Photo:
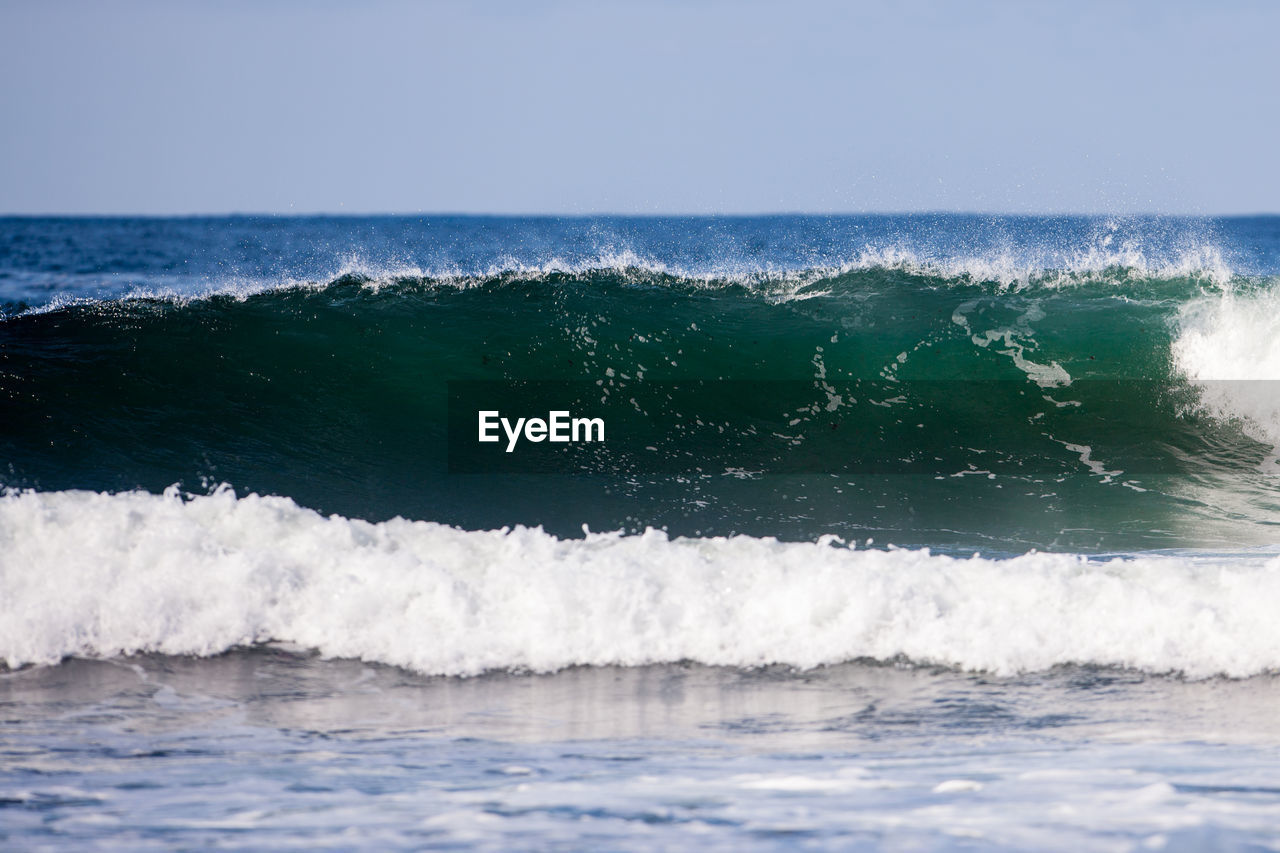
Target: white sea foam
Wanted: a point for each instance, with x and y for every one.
(1228, 344)
(84, 573)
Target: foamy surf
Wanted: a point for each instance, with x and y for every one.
(91, 574)
(1228, 345)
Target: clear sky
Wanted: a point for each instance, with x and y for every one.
(167, 106)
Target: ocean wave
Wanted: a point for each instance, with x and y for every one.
(338, 396)
(94, 574)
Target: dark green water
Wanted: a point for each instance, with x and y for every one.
(885, 401)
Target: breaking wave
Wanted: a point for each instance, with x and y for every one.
(100, 575)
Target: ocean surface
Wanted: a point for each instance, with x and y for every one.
(905, 532)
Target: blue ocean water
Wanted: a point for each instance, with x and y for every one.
(932, 531)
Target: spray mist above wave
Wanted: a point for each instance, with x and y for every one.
(1011, 268)
(215, 572)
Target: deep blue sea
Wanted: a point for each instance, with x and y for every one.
(911, 532)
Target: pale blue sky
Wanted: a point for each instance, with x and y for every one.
(143, 106)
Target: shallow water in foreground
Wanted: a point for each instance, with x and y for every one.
(275, 747)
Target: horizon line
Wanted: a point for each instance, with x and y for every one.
(344, 214)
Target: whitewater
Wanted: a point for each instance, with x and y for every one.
(106, 575)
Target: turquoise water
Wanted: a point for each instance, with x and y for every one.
(858, 377)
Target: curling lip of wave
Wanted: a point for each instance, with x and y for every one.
(99, 574)
(1005, 270)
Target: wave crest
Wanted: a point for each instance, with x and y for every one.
(1013, 270)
